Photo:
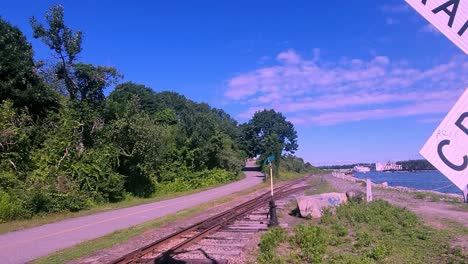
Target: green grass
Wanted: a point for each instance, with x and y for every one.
(375, 232)
(291, 175)
(121, 236)
(269, 243)
(129, 201)
(319, 185)
(435, 197)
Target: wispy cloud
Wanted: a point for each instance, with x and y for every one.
(429, 28)
(430, 120)
(391, 21)
(397, 8)
(317, 92)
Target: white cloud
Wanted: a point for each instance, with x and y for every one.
(289, 56)
(316, 92)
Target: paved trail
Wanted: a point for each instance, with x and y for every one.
(25, 245)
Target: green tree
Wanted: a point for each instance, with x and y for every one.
(142, 145)
(66, 44)
(92, 80)
(18, 79)
(15, 142)
(268, 132)
(124, 92)
(83, 82)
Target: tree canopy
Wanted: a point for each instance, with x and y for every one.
(268, 132)
(19, 81)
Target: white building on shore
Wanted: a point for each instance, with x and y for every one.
(387, 166)
(359, 168)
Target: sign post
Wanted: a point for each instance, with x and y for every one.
(269, 160)
(272, 212)
(447, 148)
(271, 179)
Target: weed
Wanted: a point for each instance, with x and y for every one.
(268, 243)
(378, 252)
(312, 240)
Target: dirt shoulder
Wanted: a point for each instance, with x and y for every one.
(435, 213)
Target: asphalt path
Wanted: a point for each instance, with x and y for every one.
(28, 244)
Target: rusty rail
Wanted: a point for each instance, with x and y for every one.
(205, 227)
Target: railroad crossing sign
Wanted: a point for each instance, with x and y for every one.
(448, 16)
(447, 148)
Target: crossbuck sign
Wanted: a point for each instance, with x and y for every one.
(448, 16)
(447, 148)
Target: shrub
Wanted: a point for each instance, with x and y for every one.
(379, 252)
(39, 201)
(11, 208)
(312, 240)
(268, 243)
(363, 239)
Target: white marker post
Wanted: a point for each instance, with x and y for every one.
(447, 148)
(368, 190)
(465, 194)
(449, 16)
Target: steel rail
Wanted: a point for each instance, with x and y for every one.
(206, 226)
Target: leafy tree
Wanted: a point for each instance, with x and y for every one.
(18, 79)
(14, 140)
(92, 80)
(292, 163)
(142, 145)
(66, 44)
(83, 82)
(124, 92)
(268, 132)
(60, 166)
(166, 117)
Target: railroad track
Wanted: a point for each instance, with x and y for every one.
(163, 250)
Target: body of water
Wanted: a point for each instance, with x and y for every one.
(421, 180)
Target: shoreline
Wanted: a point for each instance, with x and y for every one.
(385, 185)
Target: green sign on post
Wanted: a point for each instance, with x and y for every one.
(269, 159)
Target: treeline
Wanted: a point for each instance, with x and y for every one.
(295, 164)
(408, 165)
(415, 165)
(347, 166)
(65, 146)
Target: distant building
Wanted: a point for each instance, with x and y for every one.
(388, 166)
(359, 168)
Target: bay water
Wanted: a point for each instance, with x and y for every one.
(421, 180)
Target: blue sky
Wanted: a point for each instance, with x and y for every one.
(361, 82)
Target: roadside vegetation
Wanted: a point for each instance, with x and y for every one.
(65, 146)
(376, 232)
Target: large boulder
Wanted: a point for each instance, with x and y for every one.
(311, 206)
